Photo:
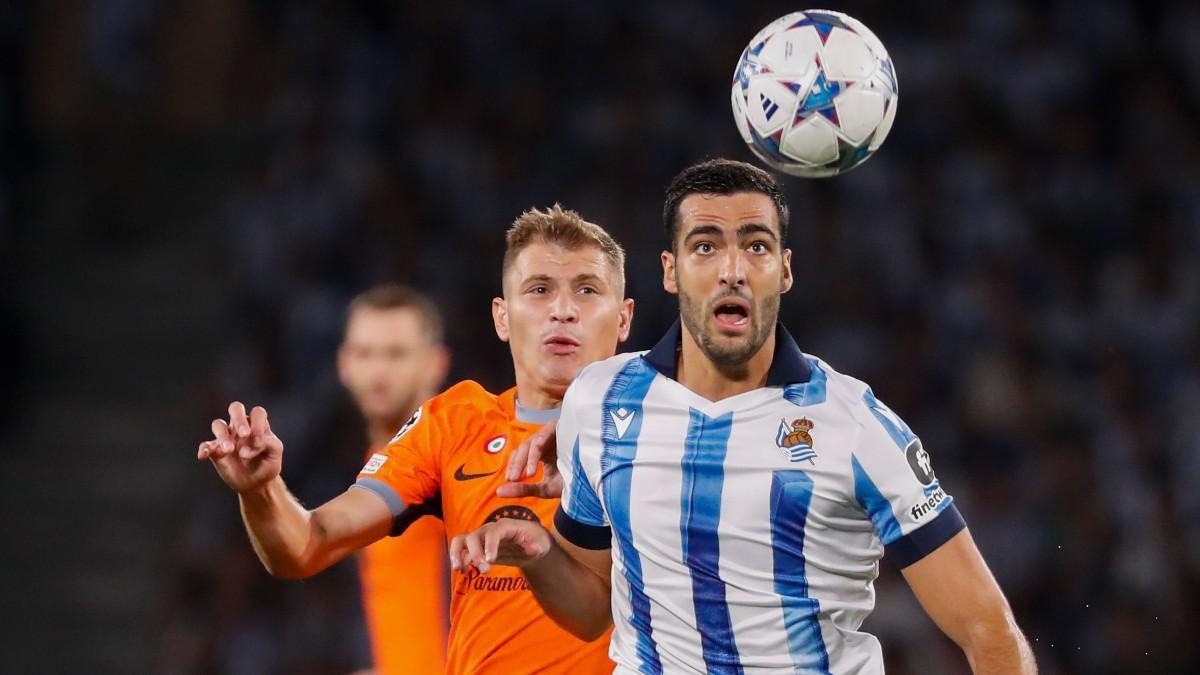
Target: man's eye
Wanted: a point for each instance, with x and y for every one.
(704, 247)
(758, 247)
(541, 290)
(588, 290)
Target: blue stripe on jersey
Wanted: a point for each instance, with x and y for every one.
(626, 393)
(585, 505)
(879, 508)
(700, 515)
(791, 492)
(895, 426)
(811, 392)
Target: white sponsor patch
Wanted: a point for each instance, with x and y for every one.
(373, 465)
(923, 509)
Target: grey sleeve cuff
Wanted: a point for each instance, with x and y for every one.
(394, 503)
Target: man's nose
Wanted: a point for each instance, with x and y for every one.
(564, 308)
(733, 267)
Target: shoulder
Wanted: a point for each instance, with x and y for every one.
(840, 390)
(882, 427)
(456, 406)
(593, 381)
(467, 393)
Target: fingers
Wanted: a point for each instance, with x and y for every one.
(536, 442)
(222, 438)
(250, 432)
(532, 451)
(543, 449)
(491, 543)
(260, 433)
(245, 435)
(517, 461)
(515, 490)
(238, 423)
(455, 553)
(473, 542)
(521, 490)
(258, 422)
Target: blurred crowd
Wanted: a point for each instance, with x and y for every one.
(1017, 273)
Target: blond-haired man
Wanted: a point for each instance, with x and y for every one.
(563, 307)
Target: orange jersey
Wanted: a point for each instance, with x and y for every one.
(449, 459)
(406, 599)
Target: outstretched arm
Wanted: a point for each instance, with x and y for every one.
(572, 584)
(294, 543)
(958, 592)
(291, 541)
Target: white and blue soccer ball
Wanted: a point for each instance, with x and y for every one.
(814, 93)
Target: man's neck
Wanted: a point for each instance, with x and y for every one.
(537, 398)
(698, 373)
(379, 432)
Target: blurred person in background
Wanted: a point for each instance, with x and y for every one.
(563, 307)
(391, 359)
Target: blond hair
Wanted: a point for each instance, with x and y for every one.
(565, 228)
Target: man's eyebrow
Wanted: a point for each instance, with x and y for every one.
(748, 228)
(546, 278)
(702, 229)
(757, 228)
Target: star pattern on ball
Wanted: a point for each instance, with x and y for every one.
(820, 96)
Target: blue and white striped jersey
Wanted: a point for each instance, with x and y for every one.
(747, 532)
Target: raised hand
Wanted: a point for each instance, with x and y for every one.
(244, 450)
(504, 542)
(542, 448)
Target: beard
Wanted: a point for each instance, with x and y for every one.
(728, 353)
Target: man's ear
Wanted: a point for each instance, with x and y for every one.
(500, 318)
(668, 264)
(626, 320)
(787, 270)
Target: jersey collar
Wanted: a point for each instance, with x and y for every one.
(512, 407)
(788, 366)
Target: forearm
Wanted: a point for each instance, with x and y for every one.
(999, 648)
(280, 530)
(574, 596)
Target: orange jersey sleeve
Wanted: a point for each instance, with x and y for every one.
(449, 458)
(407, 474)
(406, 599)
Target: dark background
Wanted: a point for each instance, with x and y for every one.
(191, 191)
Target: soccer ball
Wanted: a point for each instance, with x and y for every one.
(814, 93)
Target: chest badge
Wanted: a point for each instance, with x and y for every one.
(796, 441)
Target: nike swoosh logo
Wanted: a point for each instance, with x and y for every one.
(459, 475)
(622, 418)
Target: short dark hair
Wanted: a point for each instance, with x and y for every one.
(720, 177)
(399, 296)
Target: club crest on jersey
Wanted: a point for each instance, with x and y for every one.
(795, 440)
(412, 422)
(496, 444)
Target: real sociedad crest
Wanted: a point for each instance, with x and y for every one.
(795, 440)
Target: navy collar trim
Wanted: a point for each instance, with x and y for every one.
(787, 367)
